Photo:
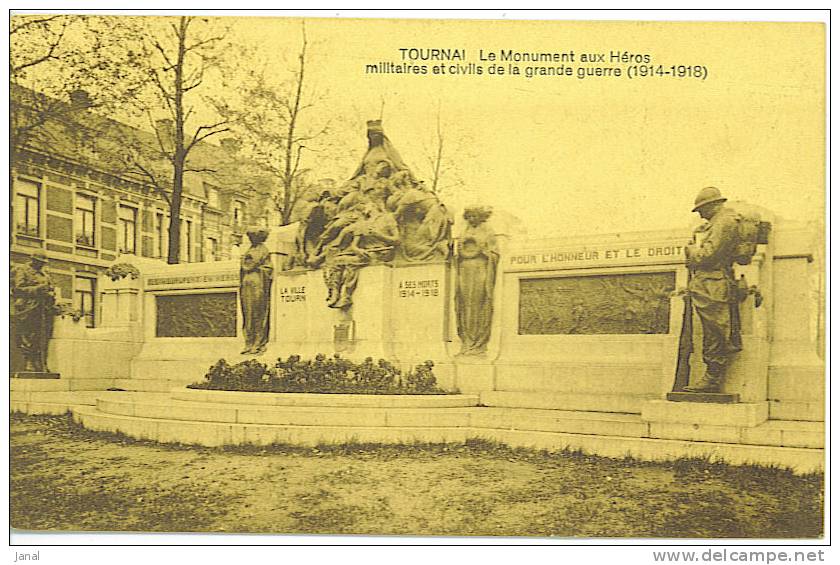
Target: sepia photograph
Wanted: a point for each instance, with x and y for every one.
(431, 277)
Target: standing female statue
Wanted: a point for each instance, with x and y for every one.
(476, 261)
(255, 276)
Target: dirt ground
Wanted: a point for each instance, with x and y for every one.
(67, 478)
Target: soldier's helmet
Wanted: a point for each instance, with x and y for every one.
(707, 196)
(39, 256)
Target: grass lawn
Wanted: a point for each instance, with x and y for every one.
(66, 478)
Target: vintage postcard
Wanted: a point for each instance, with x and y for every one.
(475, 278)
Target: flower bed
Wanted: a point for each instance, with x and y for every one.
(322, 375)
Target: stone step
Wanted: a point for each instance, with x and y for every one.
(59, 385)
(786, 434)
(289, 415)
(183, 371)
(578, 422)
(147, 385)
(802, 460)
(580, 378)
(35, 402)
(505, 418)
(220, 433)
(328, 400)
(91, 384)
(42, 385)
(42, 408)
(811, 411)
(59, 397)
(624, 403)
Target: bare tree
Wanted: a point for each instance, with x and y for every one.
(180, 56)
(273, 121)
(446, 147)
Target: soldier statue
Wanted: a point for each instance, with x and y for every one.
(33, 309)
(712, 286)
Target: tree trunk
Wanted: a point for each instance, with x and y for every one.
(180, 154)
(174, 252)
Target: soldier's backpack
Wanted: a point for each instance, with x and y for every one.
(751, 232)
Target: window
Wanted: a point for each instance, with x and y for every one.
(128, 229)
(212, 249)
(84, 299)
(85, 214)
(28, 208)
(159, 234)
(238, 214)
(212, 195)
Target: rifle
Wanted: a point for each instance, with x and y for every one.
(686, 344)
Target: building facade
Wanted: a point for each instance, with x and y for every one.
(87, 217)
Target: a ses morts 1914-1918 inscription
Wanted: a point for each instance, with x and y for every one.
(632, 303)
(197, 315)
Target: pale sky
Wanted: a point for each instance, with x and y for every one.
(569, 155)
(566, 155)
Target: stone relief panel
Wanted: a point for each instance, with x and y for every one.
(197, 315)
(630, 303)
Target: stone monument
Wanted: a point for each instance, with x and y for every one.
(33, 309)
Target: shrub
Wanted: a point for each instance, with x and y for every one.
(248, 375)
(320, 375)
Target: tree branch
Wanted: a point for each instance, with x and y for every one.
(32, 22)
(156, 186)
(198, 44)
(50, 54)
(199, 170)
(208, 130)
(159, 47)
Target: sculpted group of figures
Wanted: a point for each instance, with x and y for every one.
(381, 214)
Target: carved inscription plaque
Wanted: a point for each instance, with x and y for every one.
(197, 315)
(632, 303)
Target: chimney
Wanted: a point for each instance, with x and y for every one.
(80, 99)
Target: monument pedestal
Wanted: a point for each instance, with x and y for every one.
(35, 375)
(704, 397)
(744, 414)
(703, 421)
(474, 374)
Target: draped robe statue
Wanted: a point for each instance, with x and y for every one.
(255, 276)
(476, 262)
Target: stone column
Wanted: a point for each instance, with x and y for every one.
(121, 306)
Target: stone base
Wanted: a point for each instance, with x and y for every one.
(35, 375)
(736, 415)
(473, 376)
(705, 397)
